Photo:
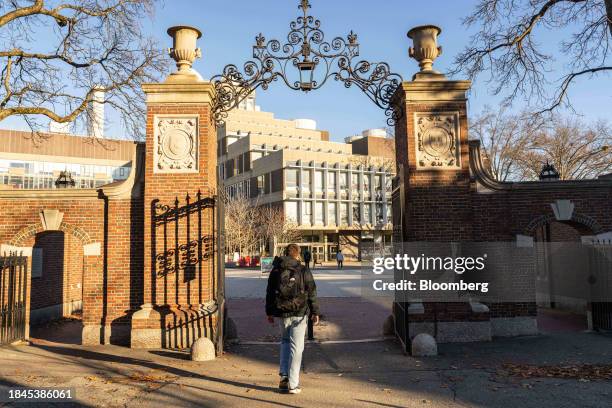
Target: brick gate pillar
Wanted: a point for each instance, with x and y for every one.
(433, 153)
(432, 146)
(180, 174)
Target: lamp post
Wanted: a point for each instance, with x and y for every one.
(64, 180)
(549, 173)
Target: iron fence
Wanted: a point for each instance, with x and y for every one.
(13, 283)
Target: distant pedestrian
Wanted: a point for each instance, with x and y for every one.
(340, 259)
(291, 295)
(307, 258)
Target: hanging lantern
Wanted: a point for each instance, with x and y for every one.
(549, 173)
(64, 180)
(306, 69)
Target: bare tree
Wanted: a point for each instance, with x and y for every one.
(509, 45)
(241, 226)
(505, 139)
(516, 146)
(275, 228)
(577, 150)
(55, 56)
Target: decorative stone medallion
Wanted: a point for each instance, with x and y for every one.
(437, 140)
(176, 144)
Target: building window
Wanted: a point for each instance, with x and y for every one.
(292, 176)
(307, 212)
(260, 184)
(379, 214)
(378, 182)
(331, 214)
(319, 181)
(355, 182)
(356, 214)
(366, 183)
(331, 182)
(367, 215)
(319, 213)
(305, 182)
(344, 181)
(344, 213)
(291, 211)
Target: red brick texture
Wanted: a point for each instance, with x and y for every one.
(110, 285)
(178, 261)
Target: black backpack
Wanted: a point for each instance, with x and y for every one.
(291, 291)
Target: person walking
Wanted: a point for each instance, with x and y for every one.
(291, 296)
(340, 259)
(307, 258)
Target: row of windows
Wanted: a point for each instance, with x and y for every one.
(42, 175)
(337, 213)
(51, 168)
(315, 180)
(46, 182)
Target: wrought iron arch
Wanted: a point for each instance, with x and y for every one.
(316, 61)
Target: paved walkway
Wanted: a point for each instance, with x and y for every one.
(346, 315)
(355, 375)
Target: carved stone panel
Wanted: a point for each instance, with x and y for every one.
(176, 144)
(437, 140)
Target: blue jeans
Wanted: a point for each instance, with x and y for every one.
(293, 331)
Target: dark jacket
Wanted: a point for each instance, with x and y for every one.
(312, 304)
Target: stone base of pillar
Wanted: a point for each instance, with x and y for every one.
(96, 334)
(146, 328)
(91, 335)
(173, 326)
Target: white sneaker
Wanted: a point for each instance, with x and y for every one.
(296, 390)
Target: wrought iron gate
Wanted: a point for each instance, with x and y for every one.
(600, 265)
(13, 283)
(400, 308)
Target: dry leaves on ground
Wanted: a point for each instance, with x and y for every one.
(573, 371)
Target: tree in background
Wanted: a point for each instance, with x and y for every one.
(250, 227)
(240, 227)
(509, 46)
(516, 146)
(55, 56)
(577, 150)
(275, 228)
(505, 139)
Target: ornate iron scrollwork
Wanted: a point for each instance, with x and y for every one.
(315, 61)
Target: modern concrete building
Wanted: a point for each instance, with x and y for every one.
(338, 194)
(91, 162)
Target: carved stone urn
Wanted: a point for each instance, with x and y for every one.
(425, 46)
(184, 49)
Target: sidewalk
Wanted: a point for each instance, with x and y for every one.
(373, 374)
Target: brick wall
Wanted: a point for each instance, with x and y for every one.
(110, 285)
(450, 205)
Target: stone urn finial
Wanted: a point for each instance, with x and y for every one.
(425, 46)
(184, 48)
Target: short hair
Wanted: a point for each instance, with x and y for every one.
(293, 250)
